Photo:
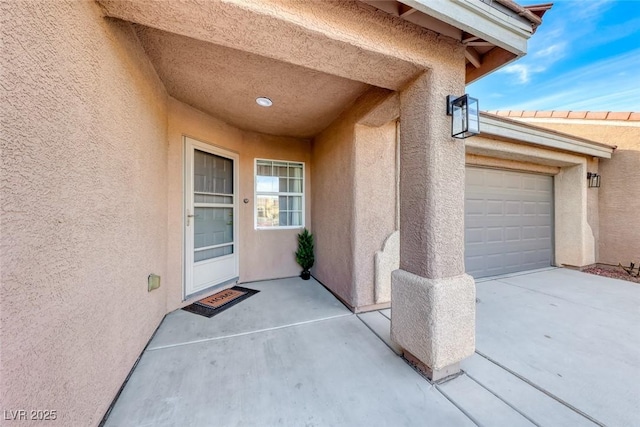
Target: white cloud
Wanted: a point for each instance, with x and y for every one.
(556, 51)
(613, 33)
(523, 72)
(611, 84)
(619, 100)
(549, 77)
(587, 10)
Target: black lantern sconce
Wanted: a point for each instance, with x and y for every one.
(594, 180)
(465, 116)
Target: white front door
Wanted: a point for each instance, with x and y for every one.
(211, 208)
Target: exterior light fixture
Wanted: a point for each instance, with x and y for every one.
(465, 116)
(594, 180)
(264, 102)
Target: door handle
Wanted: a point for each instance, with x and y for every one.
(189, 216)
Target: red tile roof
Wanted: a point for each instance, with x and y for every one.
(557, 114)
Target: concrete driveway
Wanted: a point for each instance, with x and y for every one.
(574, 336)
(554, 348)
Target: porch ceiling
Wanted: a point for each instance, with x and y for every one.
(319, 36)
(225, 83)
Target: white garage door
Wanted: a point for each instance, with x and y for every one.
(508, 221)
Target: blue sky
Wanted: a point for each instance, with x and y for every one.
(585, 56)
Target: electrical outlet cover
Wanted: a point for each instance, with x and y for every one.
(154, 282)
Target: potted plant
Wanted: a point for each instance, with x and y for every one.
(304, 254)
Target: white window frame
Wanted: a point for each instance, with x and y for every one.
(256, 193)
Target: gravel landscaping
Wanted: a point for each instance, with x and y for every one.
(613, 272)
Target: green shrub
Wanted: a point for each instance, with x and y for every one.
(304, 254)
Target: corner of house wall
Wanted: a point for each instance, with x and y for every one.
(341, 267)
(575, 242)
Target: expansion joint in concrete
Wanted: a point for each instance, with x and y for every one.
(248, 332)
(542, 390)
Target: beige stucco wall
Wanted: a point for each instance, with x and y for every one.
(354, 193)
(375, 202)
(618, 208)
(333, 199)
(83, 214)
(593, 206)
(264, 254)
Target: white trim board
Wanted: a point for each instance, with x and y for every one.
(522, 132)
(479, 19)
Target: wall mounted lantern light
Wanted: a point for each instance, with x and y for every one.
(465, 116)
(594, 179)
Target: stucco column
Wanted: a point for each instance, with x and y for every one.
(574, 240)
(433, 300)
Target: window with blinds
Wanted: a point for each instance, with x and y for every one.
(279, 194)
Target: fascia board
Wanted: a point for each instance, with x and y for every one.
(479, 19)
(520, 132)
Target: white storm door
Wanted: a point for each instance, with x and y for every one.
(211, 208)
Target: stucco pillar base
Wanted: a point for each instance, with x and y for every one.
(434, 319)
(434, 375)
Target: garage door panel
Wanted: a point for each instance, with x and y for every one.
(494, 207)
(474, 207)
(474, 264)
(508, 221)
(522, 221)
(474, 235)
(512, 207)
(499, 247)
(495, 235)
(544, 208)
(530, 232)
(544, 232)
(529, 183)
(513, 234)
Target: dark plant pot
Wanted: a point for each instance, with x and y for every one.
(306, 275)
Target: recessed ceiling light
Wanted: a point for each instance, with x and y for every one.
(264, 102)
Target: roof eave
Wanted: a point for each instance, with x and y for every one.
(475, 17)
(501, 127)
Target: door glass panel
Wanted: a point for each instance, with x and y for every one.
(212, 174)
(213, 226)
(213, 253)
(212, 198)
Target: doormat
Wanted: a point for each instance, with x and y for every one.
(217, 303)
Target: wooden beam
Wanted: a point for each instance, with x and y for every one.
(495, 58)
(404, 10)
(473, 56)
(479, 44)
(470, 39)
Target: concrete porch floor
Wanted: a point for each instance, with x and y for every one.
(555, 347)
